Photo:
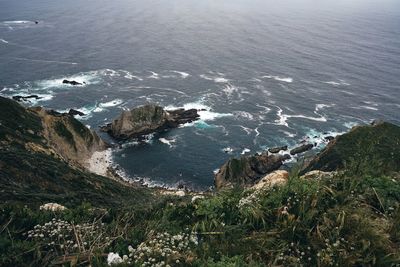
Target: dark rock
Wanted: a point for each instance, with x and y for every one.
(54, 113)
(147, 119)
(25, 98)
(277, 149)
(301, 149)
(74, 112)
(71, 82)
(375, 145)
(247, 170)
(329, 138)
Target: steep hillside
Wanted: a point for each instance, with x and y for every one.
(42, 156)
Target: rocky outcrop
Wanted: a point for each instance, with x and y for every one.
(67, 137)
(245, 171)
(301, 149)
(20, 98)
(364, 146)
(74, 112)
(71, 82)
(147, 119)
(279, 177)
(277, 149)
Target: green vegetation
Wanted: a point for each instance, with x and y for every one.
(378, 145)
(351, 219)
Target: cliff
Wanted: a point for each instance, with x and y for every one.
(43, 155)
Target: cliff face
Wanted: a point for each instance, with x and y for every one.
(68, 137)
(42, 156)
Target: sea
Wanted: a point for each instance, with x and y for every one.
(264, 73)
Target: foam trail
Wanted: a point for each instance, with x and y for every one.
(184, 75)
(280, 79)
(4, 41)
(154, 75)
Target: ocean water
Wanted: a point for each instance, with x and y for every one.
(267, 72)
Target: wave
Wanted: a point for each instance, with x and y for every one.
(11, 24)
(3, 41)
(169, 142)
(153, 75)
(184, 75)
(337, 83)
(245, 150)
(283, 118)
(111, 103)
(243, 115)
(216, 78)
(280, 79)
(365, 107)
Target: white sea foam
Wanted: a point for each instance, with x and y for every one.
(130, 76)
(243, 115)
(205, 112)
(280, 79)
(184, 75)
(216, 79)
(244, 151)
(169, 142)
(337, 83)
(17, 22)
(228, 150)
(3, 41)
(154, 75)
(365, 107)
(111, 103)
(282, 118)
(350, 124)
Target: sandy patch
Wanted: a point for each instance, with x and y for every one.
(100, 162)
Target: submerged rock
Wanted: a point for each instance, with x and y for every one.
(247, 170)
(277, 149)
(71, 82)
(147, 119)
(301, 149)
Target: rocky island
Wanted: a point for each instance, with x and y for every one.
(137, 122)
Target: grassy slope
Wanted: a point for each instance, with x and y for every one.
(377, 145)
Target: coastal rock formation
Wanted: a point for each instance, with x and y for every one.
(378, 143)
(147, 119)
(69, 138)
(74, 112)
(277, 149)
(278, 177)
(71, 82)
(25, 98)
(245, 171)
(301, 149)
(42, 159)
